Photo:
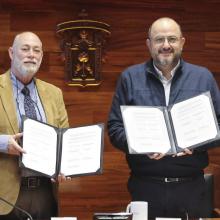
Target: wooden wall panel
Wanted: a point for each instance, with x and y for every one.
(108, 192)
(129, 22)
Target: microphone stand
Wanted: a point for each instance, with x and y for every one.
(18, 208)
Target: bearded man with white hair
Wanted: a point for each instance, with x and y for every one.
(26, 189)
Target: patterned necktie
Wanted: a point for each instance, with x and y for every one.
(29, 108)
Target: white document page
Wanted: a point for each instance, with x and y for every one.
(193, 121)
(81, 150)
(146, 129)
(39, 141)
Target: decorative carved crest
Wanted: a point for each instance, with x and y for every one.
(82, 42)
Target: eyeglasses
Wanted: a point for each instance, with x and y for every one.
(170, 39)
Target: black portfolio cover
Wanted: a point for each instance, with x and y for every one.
(71, 151)
(188, 124)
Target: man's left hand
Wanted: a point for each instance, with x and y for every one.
(186, 151)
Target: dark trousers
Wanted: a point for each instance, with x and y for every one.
(39, 202)
(173, 199)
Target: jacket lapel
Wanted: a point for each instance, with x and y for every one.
(7, 99)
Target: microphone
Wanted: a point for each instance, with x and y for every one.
(18, 208)
(185, 213)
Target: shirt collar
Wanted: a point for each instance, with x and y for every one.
(19, 85)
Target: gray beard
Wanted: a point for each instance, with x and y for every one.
(167, 62)
(28, 70)
(164, 62)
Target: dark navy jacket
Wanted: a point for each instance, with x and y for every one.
(140, 85)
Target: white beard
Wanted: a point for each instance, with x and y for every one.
(26, 69)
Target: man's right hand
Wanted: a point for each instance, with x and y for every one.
(13, 146)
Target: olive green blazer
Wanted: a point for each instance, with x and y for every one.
(53, 104)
